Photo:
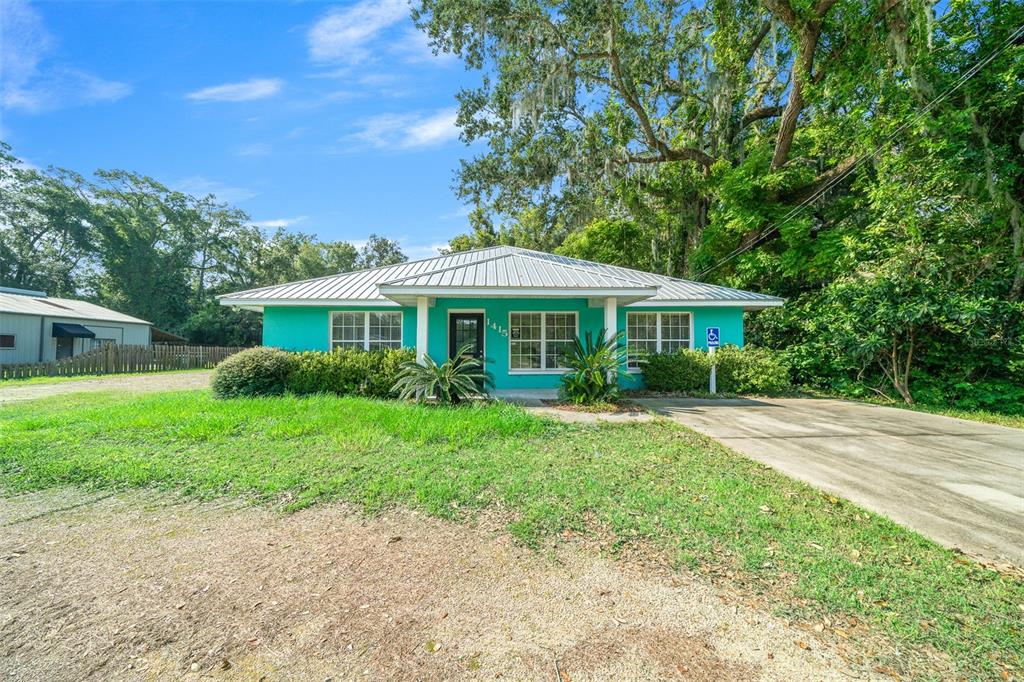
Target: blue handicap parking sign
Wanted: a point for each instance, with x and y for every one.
(713, 337)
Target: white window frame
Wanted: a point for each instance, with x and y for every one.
(14, 341)
(366, 327)
(543, 339)
(658, 336)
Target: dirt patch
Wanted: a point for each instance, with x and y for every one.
(131, 383)
(620, 407)
(144, 586)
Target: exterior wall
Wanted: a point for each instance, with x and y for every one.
(26, 338)
(27, 328)
(308, 328)
(728, 320)
(496, 339)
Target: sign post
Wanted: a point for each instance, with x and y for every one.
(712, 342)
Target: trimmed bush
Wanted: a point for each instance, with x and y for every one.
(253, 372)
(739, 370)
(348, 371)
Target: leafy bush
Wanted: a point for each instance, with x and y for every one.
(253, 372)
(738, 370)
(751, 370)
(591, 363)
(348, 371)
(450, 383)
(684, 371)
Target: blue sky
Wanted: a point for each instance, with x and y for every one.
(329, 118)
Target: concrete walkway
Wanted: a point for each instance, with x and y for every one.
(11, 391)
(958, 482)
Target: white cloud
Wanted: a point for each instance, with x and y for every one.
(198, 185)
(254, 150)
(344, 34)
(244, 91)
(408, 131)
(420, 251)
(27, 82)
(414, 47)
(279, 222)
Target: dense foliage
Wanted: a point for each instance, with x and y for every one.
(348, 372)
(129, 242)
(456, 380)
(253, 372)
(861, 159)
(750, 370)
(594, 366)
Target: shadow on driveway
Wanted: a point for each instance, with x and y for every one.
(958, 482)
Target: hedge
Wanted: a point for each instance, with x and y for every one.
(738, 370)
(271, 371)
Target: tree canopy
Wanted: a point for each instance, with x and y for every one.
(129, 242)
(857, 158)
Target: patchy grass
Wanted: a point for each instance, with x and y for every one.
(651, 485)
(34, 381)
(1011, 420)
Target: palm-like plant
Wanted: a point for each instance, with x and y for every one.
(594, 368)
(457, 379)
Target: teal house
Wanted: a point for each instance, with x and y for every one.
(518, 309)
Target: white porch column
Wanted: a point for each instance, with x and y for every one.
(421, 328)
(610, 317)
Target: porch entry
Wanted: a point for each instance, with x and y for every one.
(466, 328)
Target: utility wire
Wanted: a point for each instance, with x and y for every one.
(967, 75)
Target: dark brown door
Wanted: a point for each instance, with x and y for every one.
(65, 347)
(466, 328)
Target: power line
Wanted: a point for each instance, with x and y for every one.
(967, 75)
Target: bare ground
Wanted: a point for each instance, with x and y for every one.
(146, 586)
(129, 383)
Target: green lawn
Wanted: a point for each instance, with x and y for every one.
(654, 486)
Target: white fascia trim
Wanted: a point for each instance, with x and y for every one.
(243, 302)
(517, 292)
(747, 304)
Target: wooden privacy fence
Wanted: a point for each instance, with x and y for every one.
(114, 359)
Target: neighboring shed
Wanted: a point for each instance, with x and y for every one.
(35, 327)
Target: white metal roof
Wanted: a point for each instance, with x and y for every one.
(498, 270)
(51, 306)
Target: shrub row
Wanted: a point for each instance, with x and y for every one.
(738, 370)
(271, 371)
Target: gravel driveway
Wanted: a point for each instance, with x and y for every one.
(143, 586)
(958, 482)
(136, 383)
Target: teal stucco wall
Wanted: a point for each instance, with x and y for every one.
(308, 328)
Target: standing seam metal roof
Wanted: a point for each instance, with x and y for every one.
(496, 266)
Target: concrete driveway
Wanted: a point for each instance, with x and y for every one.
(958, 482)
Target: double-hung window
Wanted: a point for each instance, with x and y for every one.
(366, 330)
(655, 333)
(538, 342)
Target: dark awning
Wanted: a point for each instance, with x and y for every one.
(69, 329)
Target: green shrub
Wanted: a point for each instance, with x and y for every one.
(751, 370)
(738, 370)
(684, 371)
(348, 371)
(590, 364)
(253, 372)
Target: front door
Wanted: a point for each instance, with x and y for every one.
(466, 328)
(65, 347)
